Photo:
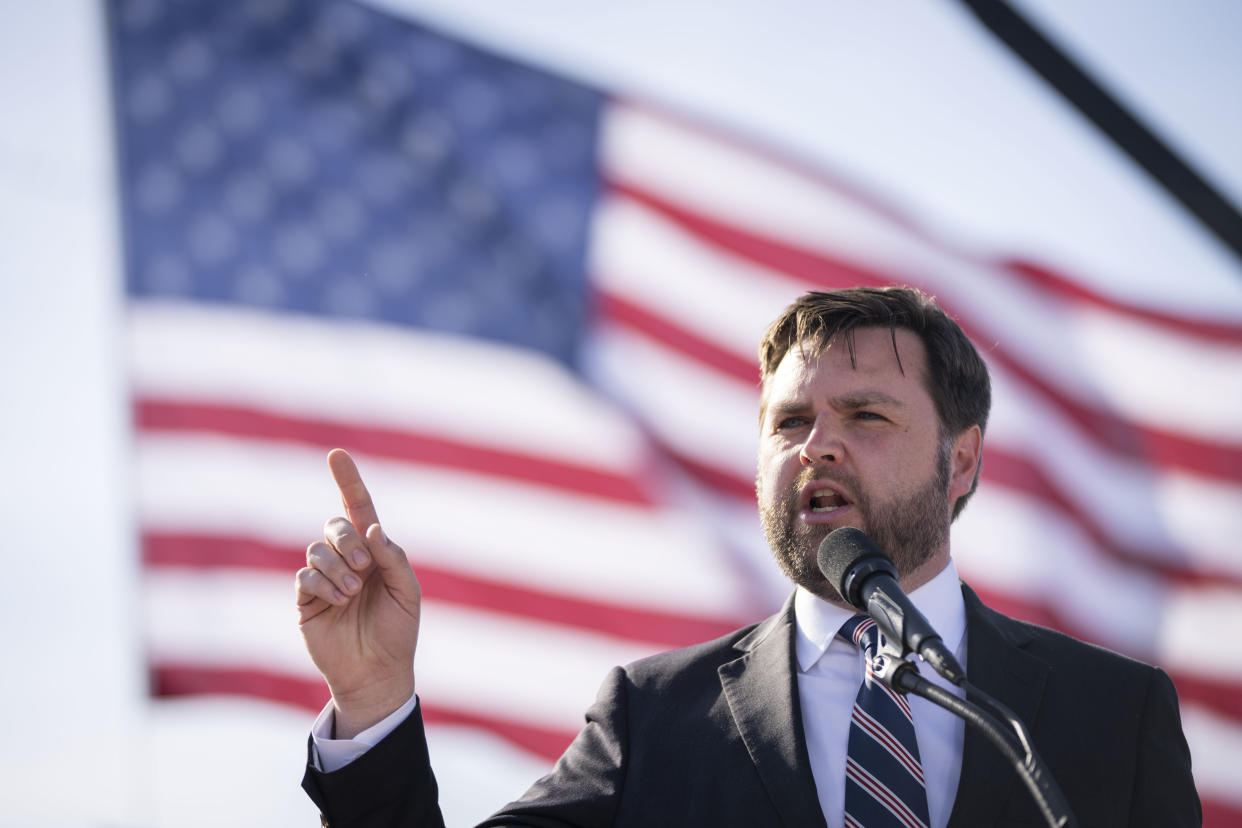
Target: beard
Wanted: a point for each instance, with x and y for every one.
(910, 529)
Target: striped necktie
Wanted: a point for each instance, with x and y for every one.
(883, 775)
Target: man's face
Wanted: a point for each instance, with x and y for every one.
(856, 445)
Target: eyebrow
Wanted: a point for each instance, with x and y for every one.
(866, 398)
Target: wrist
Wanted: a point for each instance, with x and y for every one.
(356, 710)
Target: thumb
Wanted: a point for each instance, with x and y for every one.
(392, 562)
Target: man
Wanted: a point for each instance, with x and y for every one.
(873, 410)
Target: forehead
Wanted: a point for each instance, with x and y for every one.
(881, 359)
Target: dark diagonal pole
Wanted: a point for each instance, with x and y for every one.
(1173, 173)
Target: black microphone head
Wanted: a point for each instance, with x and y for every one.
(846, 556)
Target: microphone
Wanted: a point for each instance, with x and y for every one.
(867, 580)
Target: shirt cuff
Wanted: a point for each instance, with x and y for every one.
(333, 754)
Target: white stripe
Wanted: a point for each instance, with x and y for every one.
(1197, 386)
(1199, 635)
(1176, 517)
(1215, 745)
(243, 619)
(642, 257)
(711, 418)
(472, 523)
(376, 375)
(1011, 543)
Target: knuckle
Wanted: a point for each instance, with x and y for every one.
(337, 527)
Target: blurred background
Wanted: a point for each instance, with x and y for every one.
(517, 258)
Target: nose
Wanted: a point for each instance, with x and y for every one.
(823, 444)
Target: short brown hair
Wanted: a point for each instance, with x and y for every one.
(957, 378)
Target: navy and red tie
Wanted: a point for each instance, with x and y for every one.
(883, 775)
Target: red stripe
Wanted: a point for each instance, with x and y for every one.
(1021, 474)
(1048, 281)
(422, 448)
(1220, 695)
(651, 626)
(897, 698)
(672, 335)
(865, 780)
(171, 679)
(1115, 433)
(888, 741)
(1217, 813)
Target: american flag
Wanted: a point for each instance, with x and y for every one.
(530, 310)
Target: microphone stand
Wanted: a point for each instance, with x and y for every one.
(891, 668)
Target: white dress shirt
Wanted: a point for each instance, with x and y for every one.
(830, 671)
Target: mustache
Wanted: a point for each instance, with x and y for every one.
(824, 474)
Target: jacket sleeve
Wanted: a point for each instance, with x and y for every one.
(1164, 790)
(392, 785)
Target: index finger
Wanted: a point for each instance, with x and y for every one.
(354, 495)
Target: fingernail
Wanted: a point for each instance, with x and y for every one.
(359, 557)
(352, 583)
(339, 596)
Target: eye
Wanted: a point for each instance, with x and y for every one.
(869, 415)
(795, 421)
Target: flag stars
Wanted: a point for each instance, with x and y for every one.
(257, 285)
(349, 295)
(211, 239)
(298, 249)
(472, 201)
(190, 60)
(136, 15)
(159, 189)
(167, 274)
(426, 139)
(198, 148)
(247, 197)
(339, 215)
(289, 161)
(359, 169)
(474, 104)
(148, 99)
(396, 267)
(239, 112)
(385, 177)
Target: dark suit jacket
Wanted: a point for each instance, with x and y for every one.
(711, 735)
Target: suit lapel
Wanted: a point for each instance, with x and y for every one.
(999, 666)
(763, 697)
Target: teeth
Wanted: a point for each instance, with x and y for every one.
(826, 500)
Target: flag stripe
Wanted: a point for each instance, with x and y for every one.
(1119, 435)
(1001, 465)
(667, 629)
(425, 449)
(187, 679)
(1046, 279)
(660, 329)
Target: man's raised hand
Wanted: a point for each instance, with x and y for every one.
(358, 607)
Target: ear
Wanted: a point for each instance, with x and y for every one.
(964, 462)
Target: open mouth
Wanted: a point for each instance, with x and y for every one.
(826, 500)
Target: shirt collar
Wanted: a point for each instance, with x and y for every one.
(818, 621)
